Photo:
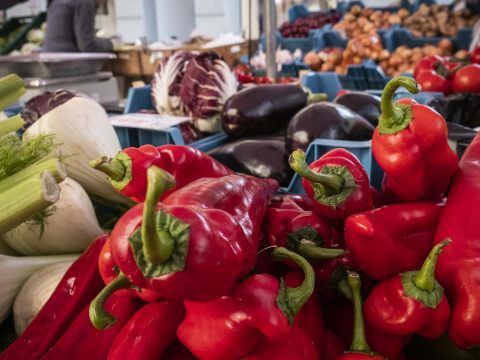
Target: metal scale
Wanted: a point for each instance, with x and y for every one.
(77, 72)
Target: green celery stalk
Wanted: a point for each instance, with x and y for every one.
(12, 87)
(22, 201)
(11, 124)
(52, 165)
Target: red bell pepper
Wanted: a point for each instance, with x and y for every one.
(359, 349)
(109, 272)
(127, 171)
(467, 79)
(149, 332)
(410, 303)
(310, 317)
(428, 63)
(195, 245)
(458, 268)
(430, 80)
(433, 73)
(82, 341)
(410, 144)
(260, 308)
(339, 316)
(78, 287)
(288, 224)
(392, 239)
(475, 56)
(333, 346)
(296, 344)
(177, 351)
(336, 182)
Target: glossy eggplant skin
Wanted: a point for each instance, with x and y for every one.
(263, 157)
(326, 121)
(364, 104)
(262, 109)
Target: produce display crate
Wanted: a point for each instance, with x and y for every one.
(292, 44)
(24, 24)
(361, 149)
(344, 6)
(359, 77)
(331, 83)
(396, 37)
(140, 99)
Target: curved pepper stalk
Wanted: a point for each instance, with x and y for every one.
(421, 284)
(118, 169)
(306, 242)
(99, 317)
(291, 300)
(331, 187)
(158, 245)
(396, 117)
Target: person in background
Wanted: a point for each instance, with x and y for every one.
(71, 27)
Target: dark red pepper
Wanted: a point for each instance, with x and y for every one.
(82, 341)
(78, 287)
(109, 272)
(410, 144)
(195, 245)
(310, 317)
(127, 171)
(467, 79)
(359, 349)
(392, 239)
(260, 308)
(177, 351)
(288, 224)
(458, 268)
(336, 182)
(410, 303)
(296, 344)
(149, 332)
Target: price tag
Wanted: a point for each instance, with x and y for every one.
(147, 121)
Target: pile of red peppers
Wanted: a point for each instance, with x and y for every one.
(215, 265)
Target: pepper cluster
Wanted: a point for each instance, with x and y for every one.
(214, 265)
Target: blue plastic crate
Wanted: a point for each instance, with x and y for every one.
(396, 37)
(344, 6)
(298, 11)
(328, 37)
(359, 77)
(361, 149)
(292, 44)
(422, 97)
(140, 99)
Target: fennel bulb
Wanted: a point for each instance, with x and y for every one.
(70, 228)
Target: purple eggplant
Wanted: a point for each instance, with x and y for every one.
(362, 103)
(263, 157)
(326, 121)
(264, 109)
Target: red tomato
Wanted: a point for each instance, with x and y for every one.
(430, 80)
(475, 56)
(467, 79)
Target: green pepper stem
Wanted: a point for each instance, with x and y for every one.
(99, 317)
(113, 168)
(393, 118)
(424, 279)
(157, 245)
(316, 252)
(11, 124)
(297, 161)
(291, 300)
(359, 341)
(12, 88)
